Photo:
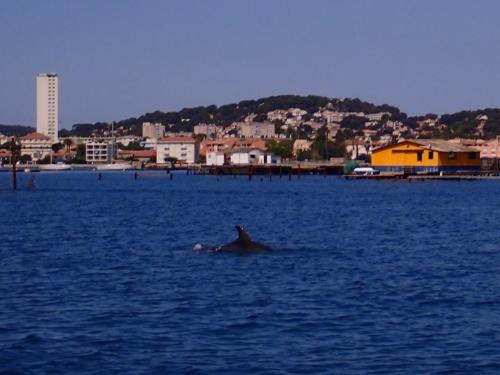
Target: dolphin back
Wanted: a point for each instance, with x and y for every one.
(243, 244)
(242, 235)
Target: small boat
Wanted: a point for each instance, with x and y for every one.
(365, 171)
(114, 167)
(54, 167)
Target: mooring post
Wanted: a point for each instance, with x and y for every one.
(171, 176)
(14, 150)
(135, 175)
(31, 182)
(99, 176)
(14, 175)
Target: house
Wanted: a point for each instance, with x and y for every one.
(241, 156)
(3, 139)
(36, 145)
(128, 139)
(256, 129)
(425, 155)
(228, 144)
(5, 156)
(377, 116)
(221, 144)
(301, 145)
(215, 158)
(185, 149)
(269, 159)
(144, 156)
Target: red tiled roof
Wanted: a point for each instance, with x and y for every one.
(244, 150)
(35, 136)
(139, 153)
(177, 140)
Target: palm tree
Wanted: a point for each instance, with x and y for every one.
(68, 142)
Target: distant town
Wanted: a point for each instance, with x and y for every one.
(267, 131)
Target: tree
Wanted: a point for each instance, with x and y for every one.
(283, 148)
(57, 146)
(25, 158)
(68, 143)
(261, 117)
(353, 122)
(80, 154)
(303, 155)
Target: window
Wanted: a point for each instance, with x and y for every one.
(419, 155)
(452, 156)
(472, 155)
(431, 155)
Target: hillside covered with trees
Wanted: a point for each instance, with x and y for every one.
(187, 118)
(459, 124)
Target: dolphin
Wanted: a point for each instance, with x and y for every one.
(242, 245)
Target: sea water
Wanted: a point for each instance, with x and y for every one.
(366, 277)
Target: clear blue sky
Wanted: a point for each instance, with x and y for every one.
(123, 58)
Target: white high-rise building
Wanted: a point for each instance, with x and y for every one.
(47, 105)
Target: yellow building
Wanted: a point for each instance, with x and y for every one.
(425, 155)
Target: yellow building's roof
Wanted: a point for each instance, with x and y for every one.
(433, 144)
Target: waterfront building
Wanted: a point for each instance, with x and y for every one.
(425, 155)
(242, 156)
(185, 149)
(100, 151)
(215, 158)
(36, 145)
(269, 159)
(228, 144)
(221, 144)
(47, 105)
(153, 130)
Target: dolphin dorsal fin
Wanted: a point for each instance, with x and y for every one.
(242, 235)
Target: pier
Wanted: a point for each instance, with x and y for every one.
(483, 175)
(268, 170)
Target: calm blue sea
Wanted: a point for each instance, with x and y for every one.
(367, 277)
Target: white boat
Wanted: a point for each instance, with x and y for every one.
(54, 167)
(365, 171)
(114, 167)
